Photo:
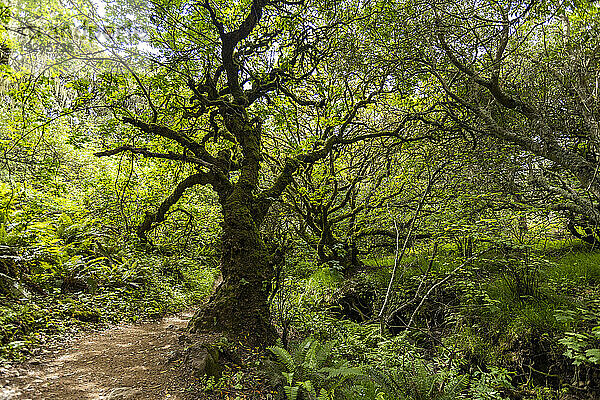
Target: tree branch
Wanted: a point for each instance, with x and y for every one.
(149, 154)
(230, 40)
(491, 84)
(151, 220)
(162, 131)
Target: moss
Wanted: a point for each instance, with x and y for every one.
(86, 315)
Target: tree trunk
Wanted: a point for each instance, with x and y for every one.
(239, 307)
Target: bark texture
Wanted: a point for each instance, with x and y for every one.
(239, 307)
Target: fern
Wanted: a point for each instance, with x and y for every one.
(417, 383)
(284, 358)
(389, 383)
(325, 352)
(324, 395)
(342, 371)
(309, 370)
(289, 377)
(310, 389)
(291, 392)
(301, 353)
(310, 359)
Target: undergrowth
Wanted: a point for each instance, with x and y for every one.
(62, 271)
(519, 322)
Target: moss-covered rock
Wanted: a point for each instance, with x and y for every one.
(86, 314)
(203, 360)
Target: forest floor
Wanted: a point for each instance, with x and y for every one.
(135, 361)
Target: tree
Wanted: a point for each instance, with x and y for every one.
(525, 73)
(336, 199)
(236, 87)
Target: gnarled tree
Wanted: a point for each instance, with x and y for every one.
(250, 84)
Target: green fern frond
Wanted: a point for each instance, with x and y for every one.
(310, 359)
(324, 395)
(325, 352)
(310, 389)
(342, 371)
(389, 383)
(289, 377)
(462, 382)
(291, 392)
(284, 357)
(303, 349)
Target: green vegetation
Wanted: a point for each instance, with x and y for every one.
(364, 199)
(484, 333)
(67, 262)
(61, 274)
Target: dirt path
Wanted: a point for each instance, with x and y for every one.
(125, 362)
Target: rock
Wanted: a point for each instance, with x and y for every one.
(122, 393)
(203, 360)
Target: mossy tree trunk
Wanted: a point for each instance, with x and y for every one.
(240, 305)
(240, 302)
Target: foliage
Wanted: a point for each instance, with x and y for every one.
(63, 267)
(312, 146)
(311, 372)
(582, 347)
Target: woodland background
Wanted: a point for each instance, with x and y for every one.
(404, 193)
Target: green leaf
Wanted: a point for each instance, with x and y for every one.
(593, 355)
(291, 392)
(283, 357)
(289, 376)
(324, 395)
(310, 389)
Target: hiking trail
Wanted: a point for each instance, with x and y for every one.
(133, 361)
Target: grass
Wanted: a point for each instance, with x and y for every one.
(575, 268)
(495, 303)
